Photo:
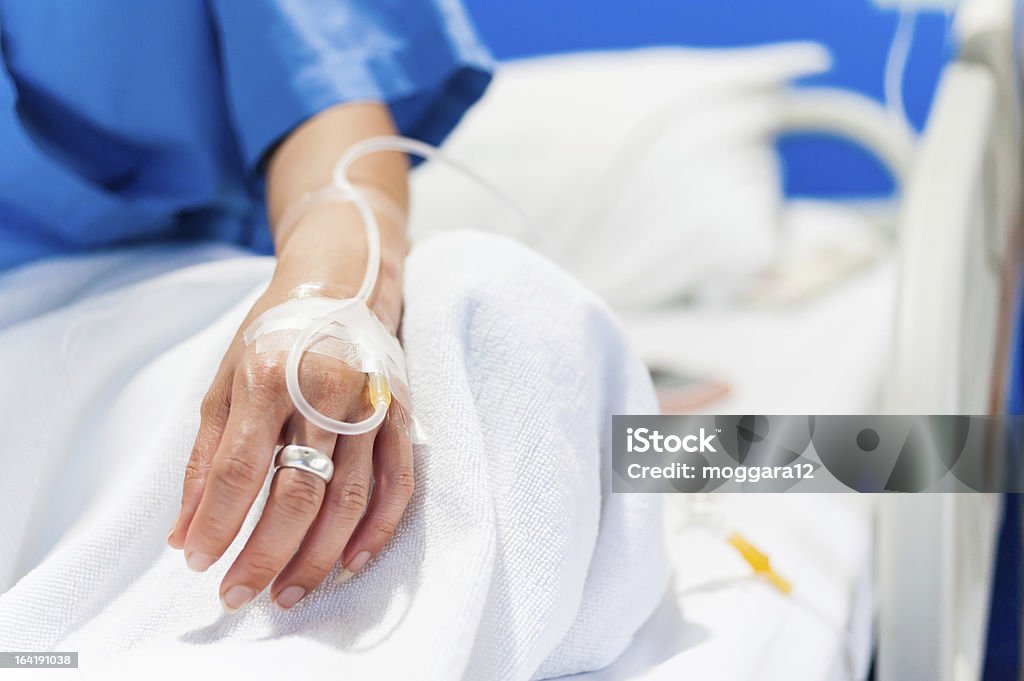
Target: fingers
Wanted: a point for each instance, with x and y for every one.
(213, 417)
(342, 527)
(258, 411)
(392, 490)
(295, 498)
(306, 525)
(343, 506)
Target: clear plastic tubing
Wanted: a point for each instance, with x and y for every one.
(379, 387)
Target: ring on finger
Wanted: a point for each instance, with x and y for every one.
(305, 459)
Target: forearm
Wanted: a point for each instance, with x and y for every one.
(327, 244)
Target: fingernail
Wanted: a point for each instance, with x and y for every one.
(199, 562)
(235, 598)
(173, 528)
(289, 597)
(354, 566)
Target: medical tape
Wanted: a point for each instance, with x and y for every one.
(344, 329)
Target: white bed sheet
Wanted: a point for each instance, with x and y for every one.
(720, 623)
(502, 568)
(823, 355)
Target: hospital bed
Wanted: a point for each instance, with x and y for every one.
(716, 621)
(923, 285)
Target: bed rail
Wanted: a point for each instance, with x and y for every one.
(959, 247)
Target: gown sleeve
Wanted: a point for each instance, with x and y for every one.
(284, 61)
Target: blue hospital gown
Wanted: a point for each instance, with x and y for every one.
(128, 121)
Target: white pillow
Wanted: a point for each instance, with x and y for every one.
(652, 169)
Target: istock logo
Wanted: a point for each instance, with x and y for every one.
(643, 440)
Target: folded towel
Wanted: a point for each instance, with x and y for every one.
(514, 560)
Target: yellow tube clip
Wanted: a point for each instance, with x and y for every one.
(759, 562)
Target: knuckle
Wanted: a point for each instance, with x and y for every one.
(213, 403)
(213, 529)
(300, 496)
(334, 389)
(350, 500)
(317, 566)
(385, 528)
(239, 474)
(401, 480)
(264, 374)
(330, 390)
(261, 565)
(194, 470)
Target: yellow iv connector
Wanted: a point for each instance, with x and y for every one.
(380, 389)
(759, 562)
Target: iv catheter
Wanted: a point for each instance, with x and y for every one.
(354, 311)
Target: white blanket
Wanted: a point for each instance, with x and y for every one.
(513, 562)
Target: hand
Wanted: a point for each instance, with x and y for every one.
(306, 526)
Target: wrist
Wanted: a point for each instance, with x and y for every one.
(326, 247)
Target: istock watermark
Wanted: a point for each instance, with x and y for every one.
(644, 440)
(817, 454)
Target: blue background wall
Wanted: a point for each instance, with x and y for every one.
(855, 30)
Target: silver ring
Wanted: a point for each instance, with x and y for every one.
(306, 459)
